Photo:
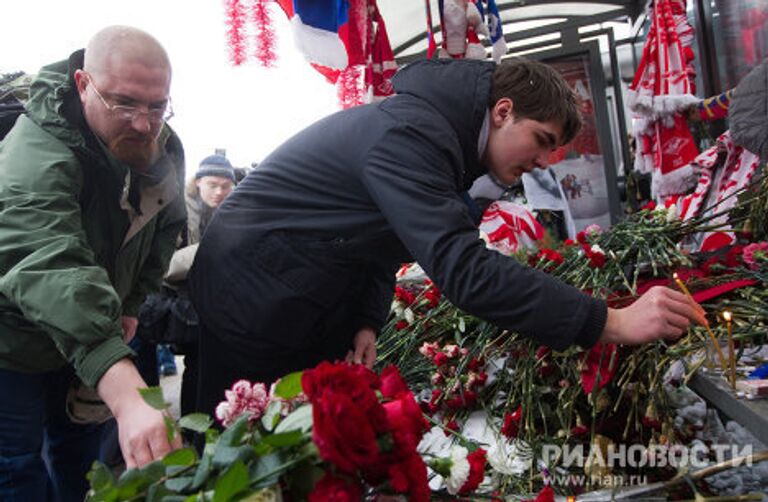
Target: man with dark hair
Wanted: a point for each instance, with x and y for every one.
(298, 264)
(91, 204)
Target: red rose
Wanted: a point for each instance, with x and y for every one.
(406, 421)
(511, 426)
(332, 488)
(342, 432)
(410, 476)
(569, 242)
(352, 380)
(355, 380)
(401, 325)
(392, 382)
(581, 237)
(476, 461)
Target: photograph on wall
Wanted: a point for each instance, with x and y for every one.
(579, 166)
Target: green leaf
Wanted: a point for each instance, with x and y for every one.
(101, 477)
(300, 419)
(198, 422)
(227, 455)
(159, 493)
(202, 472)
(233, 481)
(271, 415)
(183, 456)
(153, 396)
(285, 439)
(130, 483)
(180, 484)
(233, 434)
(153, 471)
(289, 386)
(266, 472)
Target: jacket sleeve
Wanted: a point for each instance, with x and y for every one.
(170, 221)
(49, 271)
(411, 180)
(376, 297)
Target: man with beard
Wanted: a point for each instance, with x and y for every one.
(91, 204)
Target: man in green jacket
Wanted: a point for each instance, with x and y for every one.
(91, 204)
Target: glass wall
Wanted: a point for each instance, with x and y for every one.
(741, 37)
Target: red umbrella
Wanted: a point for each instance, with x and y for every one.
(662, 88)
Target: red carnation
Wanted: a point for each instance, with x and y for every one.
(511, 426)
(476, 461)
(401, 325)
(595, 365)
(551, 255)
(440, 359)
(404, 296)
(649, 206)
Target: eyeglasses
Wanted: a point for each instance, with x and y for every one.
(131, 113)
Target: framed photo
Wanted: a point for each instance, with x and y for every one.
(586, 167)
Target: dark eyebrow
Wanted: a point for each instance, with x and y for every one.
(551, 139)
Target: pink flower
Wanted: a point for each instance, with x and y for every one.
(429, 349)
(451, 350)
(593, 229)
(243, 398)
(754, 254)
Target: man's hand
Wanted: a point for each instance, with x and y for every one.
(659, 313)
(129, 327)
(140, 427)
(364, 348)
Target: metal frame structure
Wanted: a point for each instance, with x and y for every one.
(591, 50)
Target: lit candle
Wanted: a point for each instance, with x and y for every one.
(687, 293)
(731, 348)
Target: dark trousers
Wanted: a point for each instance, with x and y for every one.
(277, 313)
(43, 455)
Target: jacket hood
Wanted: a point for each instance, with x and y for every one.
(53, 101)
(459, 90)
(749, 109)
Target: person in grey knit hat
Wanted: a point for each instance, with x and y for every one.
(213, 181)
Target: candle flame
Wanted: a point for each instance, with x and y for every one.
(727, 316)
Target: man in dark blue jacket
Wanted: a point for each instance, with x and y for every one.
(298, 264)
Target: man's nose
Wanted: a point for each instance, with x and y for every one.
(141, 123)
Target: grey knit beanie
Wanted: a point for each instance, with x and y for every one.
(215, 165)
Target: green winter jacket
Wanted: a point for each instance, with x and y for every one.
(82, 239)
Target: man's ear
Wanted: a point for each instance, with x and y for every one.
(502, 110)
(81, 82)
